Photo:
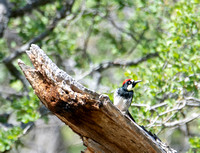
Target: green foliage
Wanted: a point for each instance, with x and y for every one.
(118, 29)
(26, 108)
(195, 142)
(176, 71)
(9, 137)
(3, 49)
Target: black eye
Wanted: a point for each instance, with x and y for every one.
(129, 82)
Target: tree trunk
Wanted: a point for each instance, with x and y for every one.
(102, 127)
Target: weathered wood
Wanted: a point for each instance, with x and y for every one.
(102, 127)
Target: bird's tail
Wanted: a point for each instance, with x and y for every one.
(154, 136)
(130, 116)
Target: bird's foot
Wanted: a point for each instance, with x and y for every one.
(104, 97)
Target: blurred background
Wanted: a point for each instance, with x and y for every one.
(100, 43)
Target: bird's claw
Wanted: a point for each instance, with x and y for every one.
(104, 97)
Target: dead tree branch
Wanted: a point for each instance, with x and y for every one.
(102, 127)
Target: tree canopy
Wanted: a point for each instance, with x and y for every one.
(101, 43)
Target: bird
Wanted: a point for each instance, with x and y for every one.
(122, 100)
(123, 96)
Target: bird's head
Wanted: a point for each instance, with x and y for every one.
(129, 84)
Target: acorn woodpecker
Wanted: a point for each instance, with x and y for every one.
(123, 96)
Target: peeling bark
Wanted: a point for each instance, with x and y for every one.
(102, 127)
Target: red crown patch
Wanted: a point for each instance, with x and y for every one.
(126, 81)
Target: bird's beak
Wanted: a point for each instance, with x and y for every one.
(135, 82)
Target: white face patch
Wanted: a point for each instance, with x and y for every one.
(130, 86)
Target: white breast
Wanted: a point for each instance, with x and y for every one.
(121, 103)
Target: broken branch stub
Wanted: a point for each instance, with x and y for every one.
(102, 127)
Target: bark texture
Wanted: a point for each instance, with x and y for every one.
(102, 127)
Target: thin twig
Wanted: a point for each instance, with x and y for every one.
(28, 7)
(121, 29)
(105, 65)
(138, 40)
(66, 10)
(182, 122)
(86, 41)
(60, 15)
(4, 16)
